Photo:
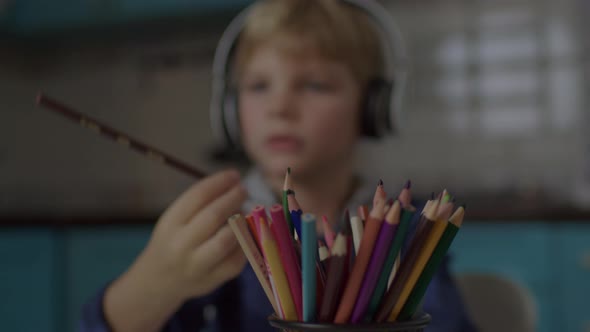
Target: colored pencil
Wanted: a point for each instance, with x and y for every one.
(418, 267)
(329, 234)
(294, 211)
(309, 252)
(388, 265)
(433, 264)
(277, 272)
(371, 231)
(418, 242)
(287, 185)
(280, 230)
(254, 231)
(382, 245)
(356, 224)
(405, 196)
(337, 275)
(118, 136)
(363, 213)
(258, 213)
(323, 251)
(255, 258)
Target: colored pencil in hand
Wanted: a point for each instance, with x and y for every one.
(118, 136)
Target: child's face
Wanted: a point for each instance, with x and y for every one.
(298, 111)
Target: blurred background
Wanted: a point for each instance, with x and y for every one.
(497, 107)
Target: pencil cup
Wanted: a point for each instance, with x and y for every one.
(415, 325)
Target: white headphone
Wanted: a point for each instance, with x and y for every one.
(383, 105)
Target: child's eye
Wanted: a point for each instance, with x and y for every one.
(317, 86)
(258, 86)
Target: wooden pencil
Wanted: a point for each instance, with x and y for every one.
(309, 270)
(255, 258)
(287, 186)
(329, 234)
(280, 230)
(356, 224)
(277, 272)
(363, 212)
(337, 275)
(295, 212)
(418, 266)
(118, 136)
(258, 213)
(418, 242)
(388, 265)
(254, 231)
(382, 245)
(433, 264)
(371, 231)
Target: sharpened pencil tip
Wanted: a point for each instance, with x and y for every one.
(288, 170)
(408, 184)
(380, 183)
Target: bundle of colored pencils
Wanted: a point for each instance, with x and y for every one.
(357, 273)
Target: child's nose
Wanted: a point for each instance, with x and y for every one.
(284, 104)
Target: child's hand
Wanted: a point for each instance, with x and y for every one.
(192, 252)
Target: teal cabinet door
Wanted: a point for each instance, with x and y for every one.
(520, 252)
(95, 256)
(27, 280)
(573, 267)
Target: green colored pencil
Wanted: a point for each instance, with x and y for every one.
(309, 252)
(432, 266)
(394, 249)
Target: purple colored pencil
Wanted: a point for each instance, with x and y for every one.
(384, 240)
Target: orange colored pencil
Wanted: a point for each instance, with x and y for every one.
(371, 232)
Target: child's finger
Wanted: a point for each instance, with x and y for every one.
(209, 219)
(230, 267)
(199, 195)
(225, 270)
(215, 249)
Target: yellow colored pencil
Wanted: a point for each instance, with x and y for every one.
(239, 226)
(271, 253)
(423, 257)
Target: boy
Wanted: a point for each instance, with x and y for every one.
(301, 69)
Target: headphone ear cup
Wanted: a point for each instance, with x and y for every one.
(231, 120)
(376, 116)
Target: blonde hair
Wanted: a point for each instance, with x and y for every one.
(336, 30)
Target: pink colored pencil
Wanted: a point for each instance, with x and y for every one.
(329, 234)
(280, 230)
(259, 212)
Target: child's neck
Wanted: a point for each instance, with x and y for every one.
(324, 193)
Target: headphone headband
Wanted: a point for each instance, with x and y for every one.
(226, 126)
